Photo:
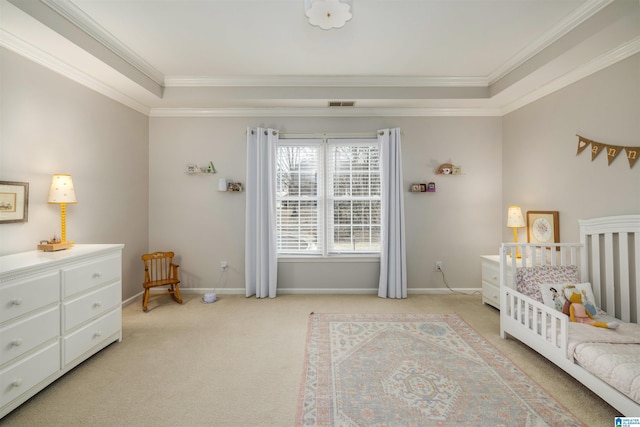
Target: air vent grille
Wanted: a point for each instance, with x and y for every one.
(342, 103)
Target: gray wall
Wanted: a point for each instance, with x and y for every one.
(540, 168)
(49, 125)
(129, 172)
(456, 224)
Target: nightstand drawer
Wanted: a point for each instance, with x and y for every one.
(23, 296)
(491, 294)
(18, 338)
(88, 306)
(491, 273)
(87, 276)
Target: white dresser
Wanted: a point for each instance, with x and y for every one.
(56, 310)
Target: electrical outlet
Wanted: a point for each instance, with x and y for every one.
(224, 266)
(438, 265)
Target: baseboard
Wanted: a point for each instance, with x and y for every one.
(319, 291)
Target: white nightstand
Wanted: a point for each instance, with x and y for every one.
(491, 280)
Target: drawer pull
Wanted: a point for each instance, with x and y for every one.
(17, 383)
(16, 301)
(17, 342)
(97, 275)
(98, 334)
(97, 304)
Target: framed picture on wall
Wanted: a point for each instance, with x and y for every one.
(543, 227)
(14, 201)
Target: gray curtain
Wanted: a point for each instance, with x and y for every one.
(261, 261)
(393, 264)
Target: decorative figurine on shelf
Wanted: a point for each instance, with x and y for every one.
(431, 187)
(445, 169)
(234, 186)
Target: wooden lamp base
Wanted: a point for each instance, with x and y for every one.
(52, 247)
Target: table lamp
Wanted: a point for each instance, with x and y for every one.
(515, 220)
(61, 192)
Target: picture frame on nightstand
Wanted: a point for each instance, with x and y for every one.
(543, 227)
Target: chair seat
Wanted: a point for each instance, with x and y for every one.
(159, 270)
(166, 282)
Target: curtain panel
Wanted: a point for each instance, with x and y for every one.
(261, 258)
(393, 265)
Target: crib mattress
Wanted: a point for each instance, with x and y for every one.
(611, 355)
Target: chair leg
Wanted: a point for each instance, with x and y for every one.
(177, 295)
(145, 300)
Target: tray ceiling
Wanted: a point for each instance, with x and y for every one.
(262, 57)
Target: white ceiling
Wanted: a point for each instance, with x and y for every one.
(262, 57)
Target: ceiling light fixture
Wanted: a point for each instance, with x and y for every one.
(328, 14)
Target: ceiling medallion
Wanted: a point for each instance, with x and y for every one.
(328, 14)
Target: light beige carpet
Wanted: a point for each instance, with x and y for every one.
(239, 362)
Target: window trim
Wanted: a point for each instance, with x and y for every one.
(324, 255)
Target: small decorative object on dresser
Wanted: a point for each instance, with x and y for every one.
(58, 309)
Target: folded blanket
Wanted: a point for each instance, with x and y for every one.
(626, 333)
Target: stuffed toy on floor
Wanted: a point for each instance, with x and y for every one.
(578, 313)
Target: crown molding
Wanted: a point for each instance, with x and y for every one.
(603, 61)
(87, 24)
(324, 112)
(577, 17)
(21, 47)
(324, 81)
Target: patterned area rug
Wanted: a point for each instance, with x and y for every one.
(414, 370)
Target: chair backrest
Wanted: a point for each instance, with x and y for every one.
(158, 266)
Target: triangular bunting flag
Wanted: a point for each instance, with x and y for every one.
(612, 152)
(632, 154)
(582, 144)
(596, 148)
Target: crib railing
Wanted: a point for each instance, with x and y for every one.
(532, 322)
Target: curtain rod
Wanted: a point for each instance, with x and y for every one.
(285, 135)
(371, 134)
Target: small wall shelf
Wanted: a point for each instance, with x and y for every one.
(449, 169)
(429, 187)
(229, 186)
(192, 168)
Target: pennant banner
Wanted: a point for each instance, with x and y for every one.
(632, 154)
(612, 150)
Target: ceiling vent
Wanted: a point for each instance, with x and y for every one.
(342, 103)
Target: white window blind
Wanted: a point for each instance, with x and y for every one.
(328, 197)
(299, 188)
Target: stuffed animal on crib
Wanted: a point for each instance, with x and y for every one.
(578, 313)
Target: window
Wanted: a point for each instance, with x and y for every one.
(328, 197)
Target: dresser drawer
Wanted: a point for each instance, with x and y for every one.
(22, 296)
(86, 276)
(90, 305)
(20, 377)
(90, 335)
(18, 338)
(491, 273)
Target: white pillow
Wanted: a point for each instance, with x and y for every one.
(554, 295)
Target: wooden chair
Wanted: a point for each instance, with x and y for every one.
(159, 270)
